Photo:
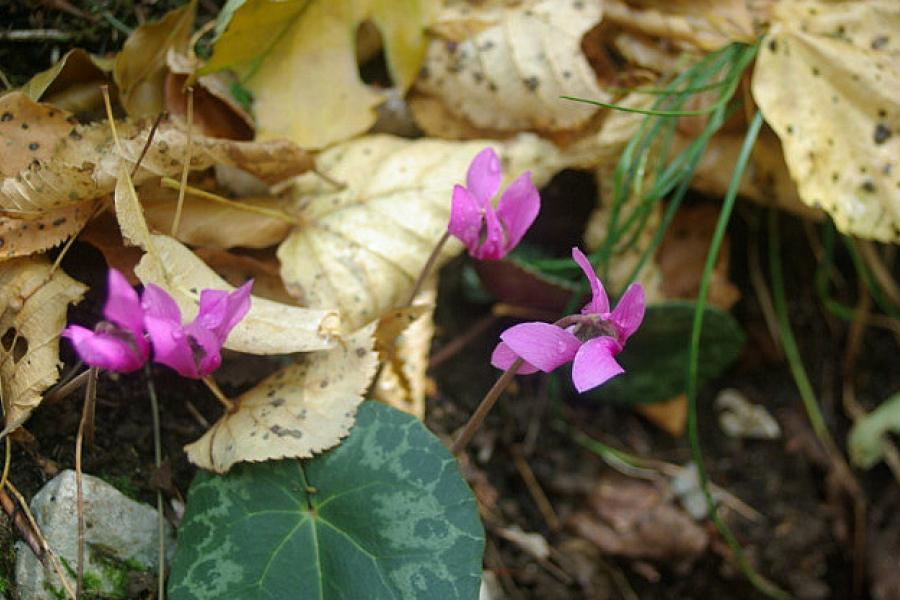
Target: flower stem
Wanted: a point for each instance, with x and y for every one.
(229, 405)
(426, 269)
(485, 407)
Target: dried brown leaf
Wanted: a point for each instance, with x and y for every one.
(33, 304)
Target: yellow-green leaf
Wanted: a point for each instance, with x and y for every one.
(299, 60)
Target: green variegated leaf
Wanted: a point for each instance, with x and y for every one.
(384, 515)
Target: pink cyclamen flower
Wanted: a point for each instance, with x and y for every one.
(118, 343)
(592, 343)
(193, 350)
(490, 234)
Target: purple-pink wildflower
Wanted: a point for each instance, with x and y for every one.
(592, 342)
(488, 233)
(118, 343)
(193, 350)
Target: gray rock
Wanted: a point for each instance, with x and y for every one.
(121, 539)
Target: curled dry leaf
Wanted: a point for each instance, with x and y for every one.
(403, 342)
(512, 66)
(238, 268)
(827, 80)
(207, 223)
(73, 83)
(298, 59)
(140, 69)
(33, 304)
(705, 24)
(301, 410)
(364, 245)
(269, 327)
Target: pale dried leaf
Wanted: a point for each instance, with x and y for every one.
(510, 76)
(827, 80)
(364, 245)
(238, 268)
(299, 411)
(33, 305)
(140, 69)
(706, 24)
(29, 131)
(269, 327)
(403, 341)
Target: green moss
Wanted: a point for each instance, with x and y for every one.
(122, 483)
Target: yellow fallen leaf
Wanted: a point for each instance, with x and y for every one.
(827, 80)
(33, 304)
(403, 341)
(363, 245)
(29, 131)
(20, 237)
(269, 327)
(140, 69)
(298, 59)
(299, 411)
(510, 75)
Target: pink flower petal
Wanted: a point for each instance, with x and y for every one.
(518, 208)
(466, 218)
(220, 311)
(206, 349)
(105, 350)
(159, 304)
(494, 245)
(503, 358)
(543, 345)
(171, 345)
(629, 312)
(595, 363)
(599, 303)
(123, 306)
(483, 177)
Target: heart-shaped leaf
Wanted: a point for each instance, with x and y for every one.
(656, 357)
(384, 515)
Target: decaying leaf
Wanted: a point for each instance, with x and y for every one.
(21, 237)
(206, 223)
(706, 24)
(73, 83)
(510, 67)
(299, 411)
(298, 59)
(403, 342)
(364, 245)
(827, 80)
(33, 304)
(269, 327)
(29, 131)
(631, 518)
(140, 69)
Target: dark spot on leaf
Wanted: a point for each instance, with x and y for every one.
(880, 42)
(531, 83)
(487, 45)
(835, 177)
(33, 146)
(790, 129)
(868, 186)
(74, 135)
(773, 46)
(478, 77)
(41, 226)
(277, 402)
(882, 113)
(7, 116)
(360, 352)
(424, 73)
(815, 71)
(24, 125)
(58, 222)
(282, 431)
(492, 86)
(323, 384)
(882, 133)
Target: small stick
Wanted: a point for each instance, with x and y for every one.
(201, 420)
(455, 345)
(90, 396)
(187, 162)
(68, 387)
(44, 546)
(229, 405)
(157, 457)
(535, 489)
(35, 35)
(146, 147)
(21, 523)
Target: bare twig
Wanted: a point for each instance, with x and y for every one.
(229, 405)
(35, 35)
(535, 489)
(87, 414)
(485, 407)
(157, 456)
(64, 389)
(187, 162)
